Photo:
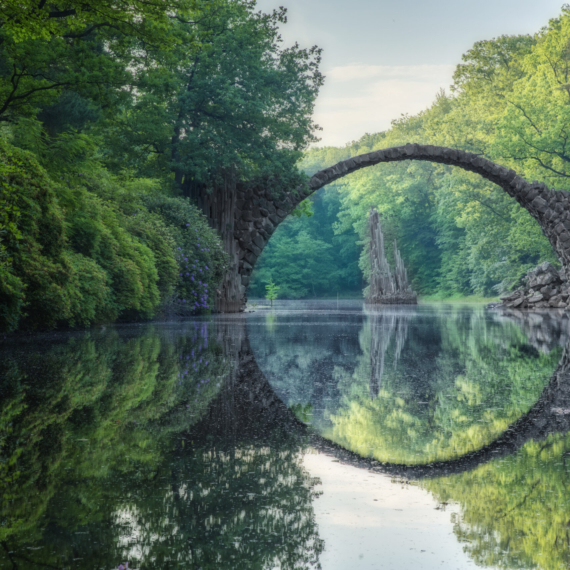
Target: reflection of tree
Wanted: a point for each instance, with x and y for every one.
(110, 455)
(480, 377)
(515, 512)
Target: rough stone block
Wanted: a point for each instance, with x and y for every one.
(259, 242)
(247, 216)
(539, 204)
(254, 249)
(241, 225)
(245, 280)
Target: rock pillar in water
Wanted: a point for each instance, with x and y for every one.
(386, 288)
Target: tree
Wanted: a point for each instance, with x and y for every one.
(271, 291)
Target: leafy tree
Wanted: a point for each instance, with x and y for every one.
(271, 291)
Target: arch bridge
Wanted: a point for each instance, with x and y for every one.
(256, 213)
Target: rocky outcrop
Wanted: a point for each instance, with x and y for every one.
(386, 287)
(545, 288)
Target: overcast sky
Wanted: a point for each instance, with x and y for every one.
(385, 58)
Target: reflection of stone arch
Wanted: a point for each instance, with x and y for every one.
(248, 407)
(258, 213)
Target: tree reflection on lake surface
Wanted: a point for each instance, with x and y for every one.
(181, 445)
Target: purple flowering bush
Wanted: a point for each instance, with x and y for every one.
(199, 253)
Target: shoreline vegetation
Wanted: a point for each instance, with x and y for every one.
(111, 178)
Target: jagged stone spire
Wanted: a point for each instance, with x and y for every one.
(385, 287)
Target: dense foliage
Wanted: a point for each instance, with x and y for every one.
(111, 115)
(457, 233)
(97, 250)
(307, 259)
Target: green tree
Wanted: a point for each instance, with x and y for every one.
(271, 291)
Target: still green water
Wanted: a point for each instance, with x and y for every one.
(233, 442)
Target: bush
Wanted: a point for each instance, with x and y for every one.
(117, 255)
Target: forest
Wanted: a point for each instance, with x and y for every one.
(459, 235)
(115, 116)
(112, 115)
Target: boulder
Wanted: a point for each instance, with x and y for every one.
(544, 287)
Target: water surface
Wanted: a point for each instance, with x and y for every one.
(311, 435)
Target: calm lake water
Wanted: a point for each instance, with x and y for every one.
(312, 435)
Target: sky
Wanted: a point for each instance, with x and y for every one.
(387, 58)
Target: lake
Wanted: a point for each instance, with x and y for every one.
(315, 434)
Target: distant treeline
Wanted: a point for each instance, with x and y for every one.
(458, 234)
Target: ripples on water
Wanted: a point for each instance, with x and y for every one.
(315, 434)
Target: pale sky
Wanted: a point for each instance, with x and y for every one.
(386, 58)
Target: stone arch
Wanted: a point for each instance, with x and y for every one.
(257, 213)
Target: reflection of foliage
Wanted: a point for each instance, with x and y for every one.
(483, 378)
(302, 412)
(75, 408)
(514, 511)
(105, 457)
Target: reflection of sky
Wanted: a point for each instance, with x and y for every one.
(369, 522)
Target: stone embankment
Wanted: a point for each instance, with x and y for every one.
(545, 288)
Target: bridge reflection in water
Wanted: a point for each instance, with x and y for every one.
(168, 444)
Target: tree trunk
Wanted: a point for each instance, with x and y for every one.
(219, 207)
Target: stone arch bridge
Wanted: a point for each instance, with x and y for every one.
(251, 216)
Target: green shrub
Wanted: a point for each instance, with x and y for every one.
(200, 255)
(107, 254)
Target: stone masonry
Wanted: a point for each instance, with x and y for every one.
(257, 213)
